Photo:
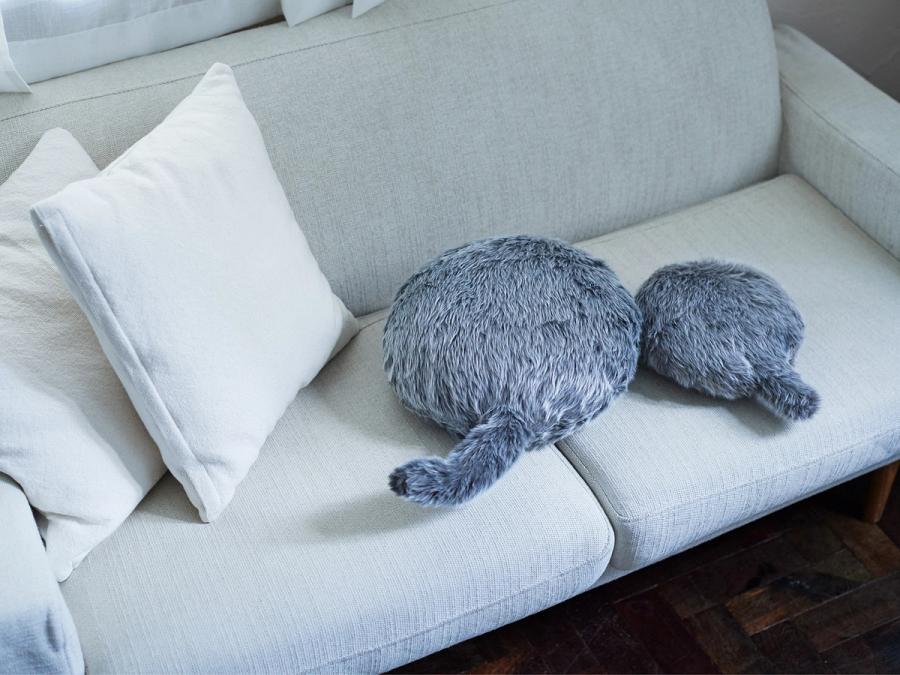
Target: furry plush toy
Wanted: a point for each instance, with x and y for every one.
(510, 344)
(726, 330)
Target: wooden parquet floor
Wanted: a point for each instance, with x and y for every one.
(810, 589)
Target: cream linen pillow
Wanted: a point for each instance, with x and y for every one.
(68, 434)
(185, 256)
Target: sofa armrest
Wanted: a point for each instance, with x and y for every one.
(842, 135)
(37, 634)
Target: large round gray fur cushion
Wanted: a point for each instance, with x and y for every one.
(726, 330)
(510, 344)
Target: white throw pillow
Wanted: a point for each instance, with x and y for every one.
(360, 7)
(186, 258)
(49, 38)
(297, 11)
(69, 436)
(10, 80)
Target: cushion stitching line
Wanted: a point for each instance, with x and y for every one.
(742, 486)
(584, 485)
(371, 323)
(724, 529)
(844, 134)
(262, 58)
(599, 494)
(849, 225)
(462, 615)
(666, 220)
(136, 356)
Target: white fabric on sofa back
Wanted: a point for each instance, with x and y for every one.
(428, 124)
(50, 38)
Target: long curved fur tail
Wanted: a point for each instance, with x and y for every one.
(477, 461)
(788, 396)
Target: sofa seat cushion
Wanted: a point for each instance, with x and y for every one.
(316, 565)
(673, 467)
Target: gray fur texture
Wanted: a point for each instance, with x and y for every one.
(726, 330)
(510, 344)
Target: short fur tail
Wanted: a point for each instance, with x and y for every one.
(788, 396)
(477, 461)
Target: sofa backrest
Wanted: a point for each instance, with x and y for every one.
(429, 123)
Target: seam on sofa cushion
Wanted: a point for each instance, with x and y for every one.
(369, 320)
(855, 227)
(565, 460)
(666, 219)
(630, 519)
(746, 521)
(263, 58)
(122, 339)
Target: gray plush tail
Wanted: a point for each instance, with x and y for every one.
(788, 396)
(477, 461)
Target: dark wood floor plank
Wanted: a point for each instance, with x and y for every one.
(868, 543)
(852, 656)
(885, 644)
(845, 565)
(877, 651)
(866, 608)
(788, 651)
(723, 639)
(659, 628)
(761, 608)
(815, 542)
(685, 596)
(554, 636)
(614, 649)
(716, 582)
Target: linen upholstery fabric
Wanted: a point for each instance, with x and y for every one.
(430, 124)
(68, 433)
(36, 630)
(842, 135)
(185, 257)
(316, 566)
(49, 38)
(673, 467)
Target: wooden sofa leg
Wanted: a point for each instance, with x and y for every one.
(879, 490)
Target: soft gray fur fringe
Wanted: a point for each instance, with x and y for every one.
(510, 344)
(726, 330)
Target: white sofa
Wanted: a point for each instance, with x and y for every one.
(647, 132)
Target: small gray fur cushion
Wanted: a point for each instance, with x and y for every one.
(511, 344)
(726, 330)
